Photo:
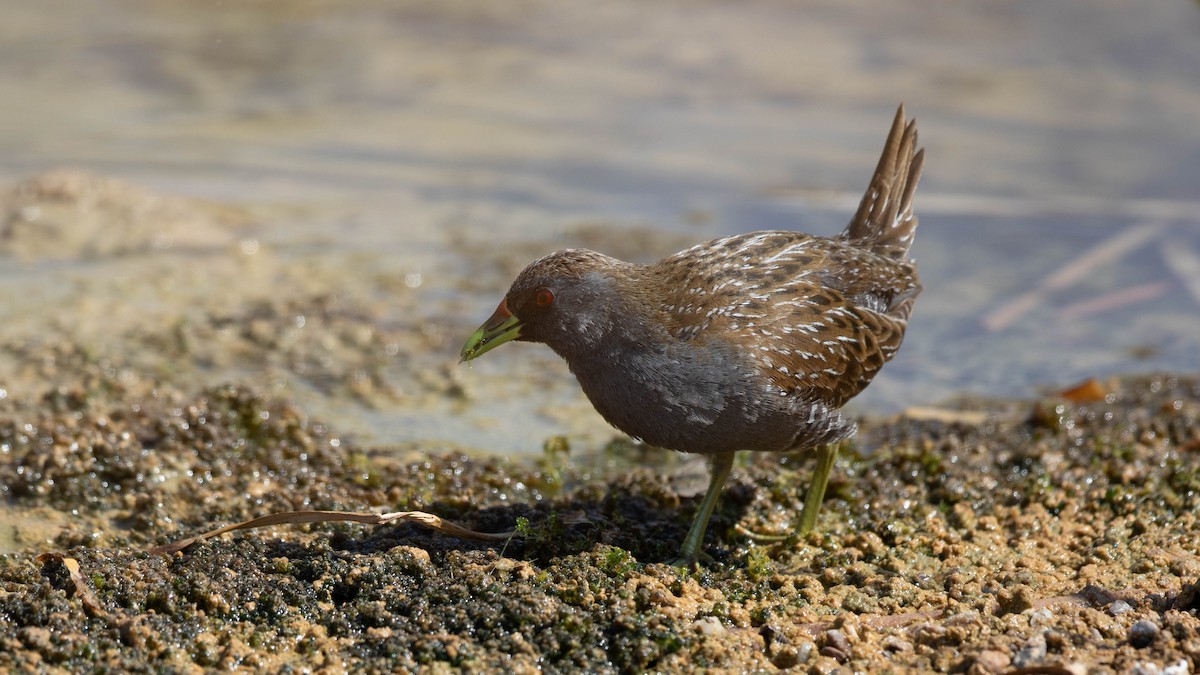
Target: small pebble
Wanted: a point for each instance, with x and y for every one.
(1119, 607)
(837, 639)
(1180, 667)
(1142, 633)
(835, 654)
(897, 645)
(1032, 653)
(709, 625)
(992, 661)
(1040, 617)
(804, 651)
(1056, 641)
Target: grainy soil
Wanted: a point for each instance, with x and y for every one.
(993, 537)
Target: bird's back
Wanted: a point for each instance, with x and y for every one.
(818, 316)
(755, 341)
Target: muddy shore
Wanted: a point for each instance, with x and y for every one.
(985, 537)
(1050, 535)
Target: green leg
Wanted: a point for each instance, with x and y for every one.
(690, 552)
(826, 455)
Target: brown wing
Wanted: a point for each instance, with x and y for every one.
(818, 316)
(822, 345)
(724, 285)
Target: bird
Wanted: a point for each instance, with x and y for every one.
(751, 342)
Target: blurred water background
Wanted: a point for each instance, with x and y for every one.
(413, 156)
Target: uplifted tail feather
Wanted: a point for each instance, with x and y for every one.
(884, 222)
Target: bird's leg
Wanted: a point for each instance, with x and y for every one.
(826, 454)
(690, 552)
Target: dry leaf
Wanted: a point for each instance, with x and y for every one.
(82, 589)
(1088, 391)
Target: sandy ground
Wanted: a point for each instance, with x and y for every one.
(1050, 536)
(991, 538)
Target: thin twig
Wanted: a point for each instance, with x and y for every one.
(293, 517)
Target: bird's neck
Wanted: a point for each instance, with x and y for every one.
(619, 319)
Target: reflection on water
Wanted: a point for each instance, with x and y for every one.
(378, 140)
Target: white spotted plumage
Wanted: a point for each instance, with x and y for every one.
(821, 314)
(747, 342)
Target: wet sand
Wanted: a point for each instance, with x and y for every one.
(986, 537)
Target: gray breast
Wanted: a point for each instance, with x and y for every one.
(700, 399)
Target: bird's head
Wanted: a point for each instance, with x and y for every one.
(568, 300)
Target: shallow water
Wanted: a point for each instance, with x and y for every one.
(430, 150)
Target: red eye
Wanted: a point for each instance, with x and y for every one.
(544, 297)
